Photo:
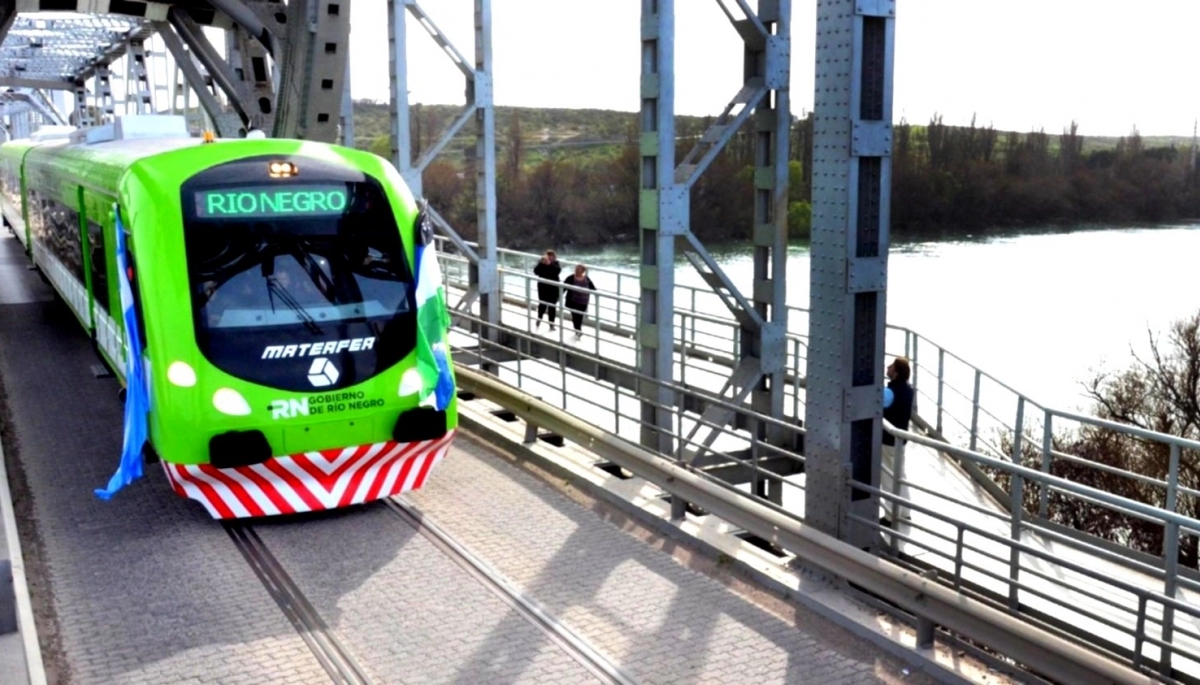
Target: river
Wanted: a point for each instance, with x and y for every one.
(1041, 311)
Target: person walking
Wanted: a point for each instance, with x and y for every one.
(547, 269)
(577, 300)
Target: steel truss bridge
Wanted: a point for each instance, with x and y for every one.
(793, 396)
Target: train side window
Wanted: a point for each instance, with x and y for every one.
(35, 216)
(99, 265)
(58, 229)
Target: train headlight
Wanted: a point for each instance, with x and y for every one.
(410, 383)
(181, 374)
(282, 170)
(230, 401)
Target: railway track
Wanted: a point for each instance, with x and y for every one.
(341, 665)
(526, 606)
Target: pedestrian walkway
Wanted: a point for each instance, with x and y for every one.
(955, 525)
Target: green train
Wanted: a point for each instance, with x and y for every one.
(290, 322)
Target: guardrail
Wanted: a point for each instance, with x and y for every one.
(1040, 650)
(959, 402)
(1127, 618)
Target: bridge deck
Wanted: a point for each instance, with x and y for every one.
(946, 497)
(147, 589)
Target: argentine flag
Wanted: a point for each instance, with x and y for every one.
(137, 400)
(433, 324)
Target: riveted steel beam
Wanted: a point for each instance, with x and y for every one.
(312, 67)
(251, 64)
(483, 270)
(191, 34)
(663, 215)
(36, 83)
(83, 113)
(850, 239)
(761, 105)
(137, 78)
(484, 274)
(249, 21)
(346, 122)
(37, 102)
(228, 125)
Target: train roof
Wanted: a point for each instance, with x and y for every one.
(99, 158)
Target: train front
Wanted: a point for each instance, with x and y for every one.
(315, 374)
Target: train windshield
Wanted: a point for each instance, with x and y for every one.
(297, 284)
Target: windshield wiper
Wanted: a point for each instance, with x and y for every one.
(274, 288)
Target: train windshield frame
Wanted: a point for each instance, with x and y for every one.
(299, 282)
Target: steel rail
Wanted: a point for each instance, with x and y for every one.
(341, 666)
(1044, 653)
(587, 656)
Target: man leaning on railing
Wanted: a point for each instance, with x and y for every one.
(897, 411)
(897, 397)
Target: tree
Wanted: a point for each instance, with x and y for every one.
(514, 156)
(1161, 394)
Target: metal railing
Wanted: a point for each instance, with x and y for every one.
(998, 551)
(1145, 626)
(955, 400)
(1043, 651)
(737, 452)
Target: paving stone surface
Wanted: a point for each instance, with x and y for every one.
(145, 588)
(660, 620)
(406, 610)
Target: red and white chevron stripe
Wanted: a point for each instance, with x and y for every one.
(310, 481)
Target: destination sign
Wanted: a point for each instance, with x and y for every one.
(262, 202)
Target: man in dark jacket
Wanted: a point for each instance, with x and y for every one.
(899, 411)
(577, 300)
(547, 269)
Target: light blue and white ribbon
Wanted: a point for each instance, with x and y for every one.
(137, 400)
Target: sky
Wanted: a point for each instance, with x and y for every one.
(1019, 65)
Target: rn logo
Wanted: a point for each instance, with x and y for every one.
(288, 409)
(322, 373)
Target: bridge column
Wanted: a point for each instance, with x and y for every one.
(662, 216)
(104, 97)
(20, 126)
(768, 59)
(852, 137)
(483, 273)
(252, 70)
(311, 69)
(137, 80)
(228, 124)
(758, 376)
(346, 121)
(83, 113)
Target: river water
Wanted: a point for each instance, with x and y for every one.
(1041, 311)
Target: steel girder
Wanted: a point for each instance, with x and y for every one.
(662, 216)
(14, 102)
(852, 142)
(250, 61)
(484, 277)
(217, 69)
(312, 68)
(664, 221)
(57, 51)
(228, 124)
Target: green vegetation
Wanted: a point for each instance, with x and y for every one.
(1158, 394)
(968, 179)
(571, 177)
